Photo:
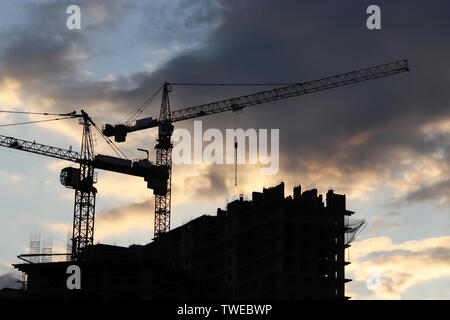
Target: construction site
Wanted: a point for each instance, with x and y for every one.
(270, 247)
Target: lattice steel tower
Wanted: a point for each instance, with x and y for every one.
(84, 208)
(164, 158)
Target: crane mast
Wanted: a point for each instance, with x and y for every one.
(84, 205)
(167, 117)
(85, 192)
(164, 158)
(82, 179)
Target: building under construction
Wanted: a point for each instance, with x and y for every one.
(269, 247)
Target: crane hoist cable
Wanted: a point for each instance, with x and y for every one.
(64, 116)
(113, 146)
(312, 94)
(232, 84)
(142, 107)
(236, 126)
(36, 121)
(133, 116)
(73, 113)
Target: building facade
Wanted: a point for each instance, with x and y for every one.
(269, 247)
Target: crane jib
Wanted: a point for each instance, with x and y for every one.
(155, 176)
(42, 149)
(291, 90)
(233, 104)
(164, 145)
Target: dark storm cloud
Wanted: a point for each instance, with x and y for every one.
(264, 41)
(166, 21)
(47, 57)
(42, 50)
(437, 191)
(210, 185)
(38, 49)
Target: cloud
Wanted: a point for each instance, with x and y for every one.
(122, 187)
(211, 184)
(9, 177)
(389, 133)
(206, 183)
(9, 93)
(135, 216)
(360, 133)
(393, 214)
(8, 280)
(353, 139)
(401, 265)
(439, 191)
(379, 223)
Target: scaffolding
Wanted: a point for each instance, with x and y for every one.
(47, 250)
(353, 228)
(35, 246)
(69, 246)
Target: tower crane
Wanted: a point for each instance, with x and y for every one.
(81, 179)
(167, 117)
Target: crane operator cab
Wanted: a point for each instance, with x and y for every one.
(70, 177)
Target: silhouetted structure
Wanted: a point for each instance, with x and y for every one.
(167, 118)
(272, 247)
